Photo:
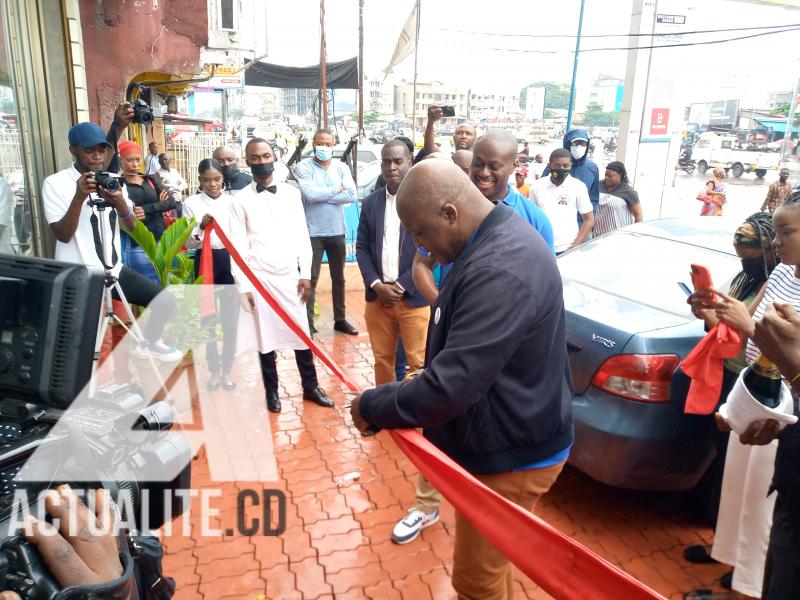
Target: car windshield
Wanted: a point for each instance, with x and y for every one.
(645, 269)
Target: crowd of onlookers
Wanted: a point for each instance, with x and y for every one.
(283, 231)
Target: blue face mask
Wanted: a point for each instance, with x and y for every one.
(323, 153)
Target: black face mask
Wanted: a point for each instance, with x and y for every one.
(229, 172)
(559, 174)
(262, 170)
(754, 267)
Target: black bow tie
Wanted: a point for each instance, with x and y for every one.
(270, 188)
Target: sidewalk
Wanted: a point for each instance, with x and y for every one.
(336, 543)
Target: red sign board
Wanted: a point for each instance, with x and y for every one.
(659, 121)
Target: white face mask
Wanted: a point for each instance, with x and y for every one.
(577, 151)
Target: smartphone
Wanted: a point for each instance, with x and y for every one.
(685, 288)
(701, 279)
(448, 111)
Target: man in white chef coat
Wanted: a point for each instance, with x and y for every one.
(269, 229)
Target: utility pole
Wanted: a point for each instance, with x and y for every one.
(575, 68)
(323, 96)
(416, 54)
(787, 136)
(360, 67)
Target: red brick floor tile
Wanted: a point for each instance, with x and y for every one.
(382, 591)
(310, 578)
(438, 580)
(343, 559)
(186, 592)
(410, 562)
(368, 575)
(237, 547)
(412, 587)
(247, 585)
(324, 527)
(340, 541)
(281, 583)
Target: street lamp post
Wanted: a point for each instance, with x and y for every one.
(575, 68)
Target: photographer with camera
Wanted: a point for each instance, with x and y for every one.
(83, 211)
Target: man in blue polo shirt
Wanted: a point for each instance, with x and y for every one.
(494, 161)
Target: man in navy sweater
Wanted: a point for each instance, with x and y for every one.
(495, 393)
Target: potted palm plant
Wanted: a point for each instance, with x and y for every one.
(175, 267)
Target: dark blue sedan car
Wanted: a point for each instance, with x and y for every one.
(628, 328)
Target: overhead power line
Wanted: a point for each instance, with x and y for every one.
(650, 47)
(613, 35)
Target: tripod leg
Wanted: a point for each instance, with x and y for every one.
(139, 336)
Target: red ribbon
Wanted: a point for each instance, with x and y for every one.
(704, 365)
(558, 564)
(208, 305)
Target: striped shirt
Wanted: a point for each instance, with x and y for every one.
(613, 211)
(782, 286)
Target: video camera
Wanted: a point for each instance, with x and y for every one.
(49, 431)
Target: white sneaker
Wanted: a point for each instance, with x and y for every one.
(408, 528)
(159, 351)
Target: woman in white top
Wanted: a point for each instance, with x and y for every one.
(211, 202)
(745, 513)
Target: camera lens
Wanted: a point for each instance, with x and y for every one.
(145, 116)
(111, 184)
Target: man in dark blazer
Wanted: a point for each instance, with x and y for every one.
(385, 255)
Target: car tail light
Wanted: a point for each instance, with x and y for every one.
(642, 377)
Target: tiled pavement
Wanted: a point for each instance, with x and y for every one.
(336, 543)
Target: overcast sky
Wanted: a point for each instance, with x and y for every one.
(476, 60)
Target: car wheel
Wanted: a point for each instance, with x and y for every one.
(702, 167)
(760, 173)
(737, 169)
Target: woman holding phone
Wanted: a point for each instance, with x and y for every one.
(752, 242)
(745, 514)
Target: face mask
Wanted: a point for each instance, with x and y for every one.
(323, 153)
(754, 267)
(577, 151)
(230, 171)
(262, 170)
(559, 174)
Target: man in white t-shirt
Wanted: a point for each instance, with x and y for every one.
(562, 198)
(70, 198)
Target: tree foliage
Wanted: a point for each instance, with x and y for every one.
(556, 95)
(594, 115)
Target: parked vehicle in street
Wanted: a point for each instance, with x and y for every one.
(715, 149)
(628, 329)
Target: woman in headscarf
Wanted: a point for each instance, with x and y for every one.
(619, 203)
(147, 192)
(753, 243)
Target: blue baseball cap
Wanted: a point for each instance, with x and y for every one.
(87, 135)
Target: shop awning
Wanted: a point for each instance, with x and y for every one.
(341, 75)
(777, 125)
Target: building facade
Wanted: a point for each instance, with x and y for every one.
(427, 94)
(67, 61)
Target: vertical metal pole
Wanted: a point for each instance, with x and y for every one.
(414, 110)
(323, 66)
(787, 137)
(575, 68)
(360, 67)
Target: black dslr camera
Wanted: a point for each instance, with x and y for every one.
(142, 113)
(108, 181)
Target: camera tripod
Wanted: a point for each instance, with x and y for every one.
(108, 316)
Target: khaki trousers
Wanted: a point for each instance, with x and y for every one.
(428, 497)
(480, 571)
(384, 325)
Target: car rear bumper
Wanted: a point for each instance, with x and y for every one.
(641, 446)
